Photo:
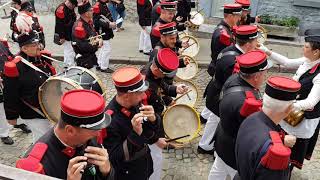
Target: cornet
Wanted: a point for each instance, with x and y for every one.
(94, 40)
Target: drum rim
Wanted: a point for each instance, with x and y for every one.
(194, 135)
(195, 87)
(197, 42)
(197, 67)
(103, 88)
(57, 78)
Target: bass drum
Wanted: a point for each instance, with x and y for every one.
(51, 91)
(194, 46)
(188, 72)
(191, 98)
(180, 120)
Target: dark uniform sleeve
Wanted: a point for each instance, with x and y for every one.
(181, 27)
(169, 90)
(141, 5)
(59, 28)
(12, 102)
(150, 129)
(250, 19)
(263, 173)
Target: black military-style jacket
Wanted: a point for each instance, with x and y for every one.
(184, 9)
(155, 39)
(218, 43)
(65, 19)
(24, 89)
(224, 68)
(307, 84)
(155, 13)
(144, 9)
(56, 159)
(128, 151)
(5, 54)
(13, 26)
(230, 118)
(159, 92)
(100, 26)
(252, 136)
(82, 46)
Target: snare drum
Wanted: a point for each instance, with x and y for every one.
(196, 19)
(192, 97)
(180, 120)
(194, 46)
(51, 91)
(188, 72)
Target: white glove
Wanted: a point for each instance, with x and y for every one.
(289, 140)
(264, 48)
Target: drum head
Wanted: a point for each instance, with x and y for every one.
(192, 99)
(180, 120)
(50, 93)
(193, 48)
(189, 71)
(196, 18)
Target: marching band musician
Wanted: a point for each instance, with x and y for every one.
(103, 23)
(65, 18)
(6, 55)
(133, 126)
(168, 11)
(262, 151)
(246, 18)
(155, 12)
(85, 41)
(27, 20)
(246, 40)
(21, 85)
(17, 5)
(72, 149)
(144, 8)
(308, 74)
(222, 36)
(240, 98)
(184, 9)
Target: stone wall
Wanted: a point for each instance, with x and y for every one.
(309, 16)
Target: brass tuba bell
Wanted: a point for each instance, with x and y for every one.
(294, 117)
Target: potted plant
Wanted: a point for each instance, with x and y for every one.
(280, 26)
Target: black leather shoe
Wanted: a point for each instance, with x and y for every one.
(203, 120)
(202, 151)
(7, 140)
(140, 51)
(98, 68)
(147, 53)
(108, 70)
(23, 127)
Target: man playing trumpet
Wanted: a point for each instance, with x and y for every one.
(85, 40)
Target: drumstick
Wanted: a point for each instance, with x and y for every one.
(196, 13)
(182, 95)
(189, 46)
(52, 59)
(177, 138)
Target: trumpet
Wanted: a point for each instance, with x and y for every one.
(94, 40)
(294, 117)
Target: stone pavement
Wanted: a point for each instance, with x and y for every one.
(182, 164)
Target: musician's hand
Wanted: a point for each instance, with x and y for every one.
(187, 24)
(172, 103)
(289, 140)
(263, 48)
(75, 166)
(148, 112)
(258, 19)
(100, 157)
(179, 18)
(182, 88)
(186, 60)
(161, 143)
(62, 41)
(113, 25)
(100, 42)
(136, 122)
(185, 44)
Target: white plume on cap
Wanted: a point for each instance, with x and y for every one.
(24, 22)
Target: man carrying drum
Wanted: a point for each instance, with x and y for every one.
(246, 40)
(22, 82)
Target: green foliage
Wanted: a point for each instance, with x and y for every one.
(291, 22)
